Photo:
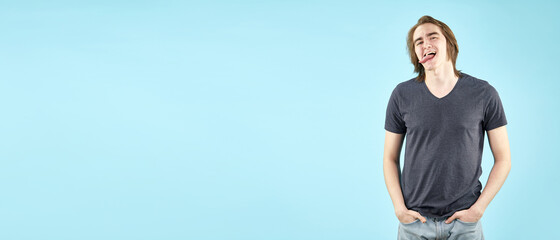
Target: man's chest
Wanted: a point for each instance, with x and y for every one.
(435, 115)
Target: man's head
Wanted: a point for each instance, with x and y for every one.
(427, 37)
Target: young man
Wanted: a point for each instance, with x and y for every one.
(444, 114)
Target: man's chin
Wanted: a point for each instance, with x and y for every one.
(429, 68)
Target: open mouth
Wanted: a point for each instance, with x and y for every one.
(428, 56)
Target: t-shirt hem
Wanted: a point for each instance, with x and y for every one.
(496, 126)
(394, 130)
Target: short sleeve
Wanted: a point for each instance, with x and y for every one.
(494, 115)
(393, 117)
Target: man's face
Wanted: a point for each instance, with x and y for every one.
(430, 46)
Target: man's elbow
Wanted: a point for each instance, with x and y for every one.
(504, 162)
(391, 159)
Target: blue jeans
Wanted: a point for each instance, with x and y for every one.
(437, 229)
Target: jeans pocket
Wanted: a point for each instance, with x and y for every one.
(468, 223)
(411, 222)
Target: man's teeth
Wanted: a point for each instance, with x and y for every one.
(429, 53)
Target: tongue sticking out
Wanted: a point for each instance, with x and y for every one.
(427, 57)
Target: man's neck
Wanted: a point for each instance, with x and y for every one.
(444, 75)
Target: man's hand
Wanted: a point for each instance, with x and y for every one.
(472, 214)
(408, 216)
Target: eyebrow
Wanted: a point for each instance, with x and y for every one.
(429, 34)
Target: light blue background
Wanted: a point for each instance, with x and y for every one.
(248, 120)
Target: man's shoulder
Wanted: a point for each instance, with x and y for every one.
(407, 85)
(474, 81)
(480, 85)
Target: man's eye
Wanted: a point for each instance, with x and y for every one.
(433, 38)
(418, 43)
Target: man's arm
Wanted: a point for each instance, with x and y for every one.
(391, 170)
(499, 144)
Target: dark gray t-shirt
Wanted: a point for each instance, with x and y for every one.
(444, 142)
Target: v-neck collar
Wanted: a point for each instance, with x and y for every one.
(459, 80)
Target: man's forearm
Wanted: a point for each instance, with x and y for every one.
(496, 179)
(391, 171)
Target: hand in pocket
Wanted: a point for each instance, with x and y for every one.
(409, 216)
